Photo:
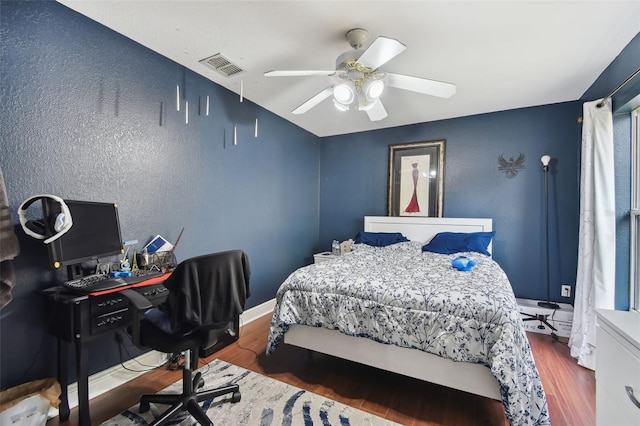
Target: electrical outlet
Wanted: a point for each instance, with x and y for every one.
(566, 291)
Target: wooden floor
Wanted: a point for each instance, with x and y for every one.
(570, 388)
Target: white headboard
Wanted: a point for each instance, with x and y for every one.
(424, 228)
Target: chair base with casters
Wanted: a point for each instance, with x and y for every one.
(190, 399)
(145, 334)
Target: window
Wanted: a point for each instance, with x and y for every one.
(635, 210)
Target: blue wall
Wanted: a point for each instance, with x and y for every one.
(89, 114)
(354, 173)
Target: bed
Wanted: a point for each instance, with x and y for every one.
(407, 311)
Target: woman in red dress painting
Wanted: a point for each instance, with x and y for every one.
(413, 206)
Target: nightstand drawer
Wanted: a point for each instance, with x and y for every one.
(323, 257)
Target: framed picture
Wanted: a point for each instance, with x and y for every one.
(416, 179)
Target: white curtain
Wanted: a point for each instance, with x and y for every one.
(595, 280)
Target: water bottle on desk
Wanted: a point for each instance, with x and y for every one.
(335, 248)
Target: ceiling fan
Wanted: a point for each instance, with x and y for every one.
(360, 83)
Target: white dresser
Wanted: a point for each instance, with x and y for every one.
(617, 368)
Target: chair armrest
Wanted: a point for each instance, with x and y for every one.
(138, 305)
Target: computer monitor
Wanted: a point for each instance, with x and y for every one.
(95, 234)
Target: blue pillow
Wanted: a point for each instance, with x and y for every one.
(455, 242)
(379, 239)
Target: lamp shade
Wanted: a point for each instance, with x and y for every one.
(344, 93)
(373, 89)
(340, 106)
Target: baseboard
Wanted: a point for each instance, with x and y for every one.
(256, 312)
(105, 380)
(113, 377)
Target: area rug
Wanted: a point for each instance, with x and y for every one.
(265, 401)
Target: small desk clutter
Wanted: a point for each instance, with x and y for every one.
(391, 305)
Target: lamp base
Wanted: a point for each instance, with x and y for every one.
(550, 305)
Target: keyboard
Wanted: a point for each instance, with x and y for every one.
(95, 282)
(102, 282)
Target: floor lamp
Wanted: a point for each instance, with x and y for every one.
(545, 169)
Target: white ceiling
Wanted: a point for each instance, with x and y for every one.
(501, 54)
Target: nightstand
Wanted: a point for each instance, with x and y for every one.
(323, 257)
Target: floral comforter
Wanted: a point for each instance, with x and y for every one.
(402, 296)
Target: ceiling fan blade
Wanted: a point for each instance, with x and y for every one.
(313, 101)
(382, 50)
(421, 85)
(377, 111)
(301, 73)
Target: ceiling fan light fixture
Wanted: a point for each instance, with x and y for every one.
(344, 93)
(359, 83)
(365, 104)
(373, 89)
(340, 106)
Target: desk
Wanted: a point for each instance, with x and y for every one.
(79, 318)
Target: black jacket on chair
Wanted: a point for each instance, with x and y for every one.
(206, 290)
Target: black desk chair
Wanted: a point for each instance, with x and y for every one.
(206, 294)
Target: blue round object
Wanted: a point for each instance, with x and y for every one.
(463, 263)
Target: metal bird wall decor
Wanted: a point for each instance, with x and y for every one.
(510, 167)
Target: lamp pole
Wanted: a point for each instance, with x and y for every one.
(545, 169)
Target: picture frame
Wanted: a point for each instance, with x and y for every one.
(416, 179)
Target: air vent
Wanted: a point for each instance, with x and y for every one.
(222, 65)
